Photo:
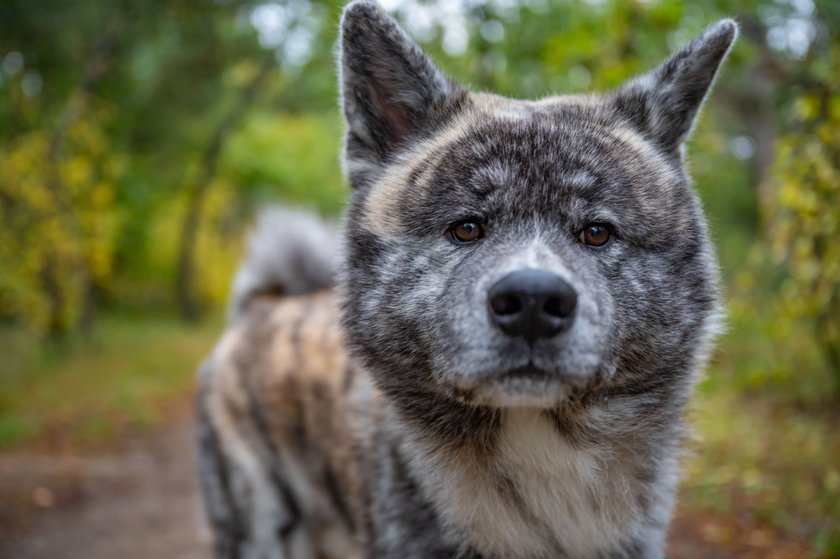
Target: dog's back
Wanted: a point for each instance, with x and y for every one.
(276, 453)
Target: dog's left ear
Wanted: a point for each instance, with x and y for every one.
(664, 103)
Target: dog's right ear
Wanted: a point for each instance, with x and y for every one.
(392, 93)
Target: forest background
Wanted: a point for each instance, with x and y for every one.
(138, 139)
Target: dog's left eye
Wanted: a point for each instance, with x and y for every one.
(466, 231)
(595, 235)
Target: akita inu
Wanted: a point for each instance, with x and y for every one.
(526, 291)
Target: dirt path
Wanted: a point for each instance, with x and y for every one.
(138, 503)
(141, 502)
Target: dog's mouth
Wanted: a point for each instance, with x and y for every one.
(528, 386)
(529, 372)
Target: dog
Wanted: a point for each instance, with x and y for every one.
(525, 294)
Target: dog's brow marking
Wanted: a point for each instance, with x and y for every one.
(662, 175)
(638, 143)
(657, 162)
(382, 200)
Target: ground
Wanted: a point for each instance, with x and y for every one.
(140, 501)
(136, 502)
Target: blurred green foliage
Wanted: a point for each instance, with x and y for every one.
(804, 216)
(71, 231)
(137, 140)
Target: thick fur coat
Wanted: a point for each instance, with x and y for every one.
(526, 294)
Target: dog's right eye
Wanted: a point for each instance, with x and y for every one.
(466, 231)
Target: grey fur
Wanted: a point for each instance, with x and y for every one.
(290, 252)
(465, 441)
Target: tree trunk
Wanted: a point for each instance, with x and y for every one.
(52, 270)
(188, 304)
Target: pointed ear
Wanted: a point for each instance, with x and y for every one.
(664, 103)
(391, 92)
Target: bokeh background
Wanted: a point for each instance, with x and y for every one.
(137, 140)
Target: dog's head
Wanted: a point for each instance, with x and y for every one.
(522, 252)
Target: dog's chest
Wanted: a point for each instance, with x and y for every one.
(534, 494)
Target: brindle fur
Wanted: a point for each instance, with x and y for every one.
(402, 433)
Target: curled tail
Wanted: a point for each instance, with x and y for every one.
(290, 252)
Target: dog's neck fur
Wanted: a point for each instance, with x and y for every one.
(529, 487)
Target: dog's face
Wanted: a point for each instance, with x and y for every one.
(522, 252)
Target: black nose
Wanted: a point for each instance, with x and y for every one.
(532, 304)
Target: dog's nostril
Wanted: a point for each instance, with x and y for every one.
(552, 306)
(560, 307)
(506, 304)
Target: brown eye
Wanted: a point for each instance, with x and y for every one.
(467, 231)
(595, 234)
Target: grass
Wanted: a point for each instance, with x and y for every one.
(86, 392)
(770, 460)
